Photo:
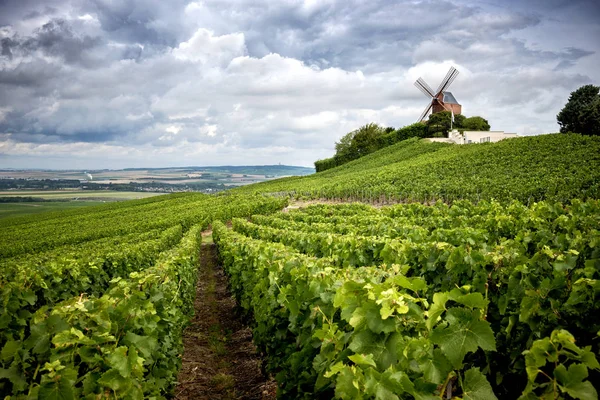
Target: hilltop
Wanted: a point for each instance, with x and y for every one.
(554, 167)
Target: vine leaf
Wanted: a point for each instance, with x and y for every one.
(571, 381)
(464, 333)
(476, 387)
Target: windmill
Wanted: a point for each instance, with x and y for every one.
(440, 99)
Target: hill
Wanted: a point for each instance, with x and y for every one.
(554, 167)
(413, 300)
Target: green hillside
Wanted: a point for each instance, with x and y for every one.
(487, 285)
(554, 167)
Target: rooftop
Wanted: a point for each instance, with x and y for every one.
(449, 98)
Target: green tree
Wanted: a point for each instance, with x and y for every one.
(475, 124)
(581, 114)
(365, 139)
(459, 121)
(439, 122)
(342, 148)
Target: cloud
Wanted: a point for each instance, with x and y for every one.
(210, 82)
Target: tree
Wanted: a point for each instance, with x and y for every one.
(459, 121)
(358, 143)
(365, 139)
(475, 124)
(581, 114)
(439, 122)
(342, 148)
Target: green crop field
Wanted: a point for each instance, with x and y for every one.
(480, 282)
(35, 207)
(60, 200)
(556, 167)
(78, 194)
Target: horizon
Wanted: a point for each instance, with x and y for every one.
(92, 84)
(167, 167)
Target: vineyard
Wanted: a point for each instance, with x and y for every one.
(94, 301)
(479, 301)
(528, 169)
(479, 281)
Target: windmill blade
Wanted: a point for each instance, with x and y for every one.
(444, 80)
(424, 87)
(446, 83)
(422, 117)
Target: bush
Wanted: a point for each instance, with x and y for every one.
(581, 114)
(475, 124)
(324, 164)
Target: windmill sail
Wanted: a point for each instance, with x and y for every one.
(440, 99)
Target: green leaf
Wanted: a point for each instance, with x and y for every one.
(367, 342)
(472, 300)
(375, 386)
(361, 359)
(15, 377)
(436, 309)
(334, 370)
(9, 350)
(57, 390)
(464, 333)
(345, 385)
(435, 370)
(359, 318)
(118, 360)
(571, 381)
(114, 380)
(146, 345)
(374, 320)
(476, 387)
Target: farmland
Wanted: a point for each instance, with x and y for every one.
(478, 281)
(414, 300)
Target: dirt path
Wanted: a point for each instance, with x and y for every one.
(219, 360)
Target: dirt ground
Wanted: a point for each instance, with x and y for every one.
(219, 361)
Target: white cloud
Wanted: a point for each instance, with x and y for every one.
(263, 82)
(205, 47)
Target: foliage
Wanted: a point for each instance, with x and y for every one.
(561, 350)
(371, 137)
(33, 234)
(439, 122)
(581, 114)
(420, 301)
(325, 164)
(474, 124)
(380, 139)
(94, 301)
(528, 169)
(358, 143)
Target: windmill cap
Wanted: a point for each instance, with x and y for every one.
(449, 98)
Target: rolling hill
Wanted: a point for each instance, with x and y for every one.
(553, 167)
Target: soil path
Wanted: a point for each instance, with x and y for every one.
(219, 359)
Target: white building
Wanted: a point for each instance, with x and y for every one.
(467, 137)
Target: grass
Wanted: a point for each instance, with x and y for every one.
(79, 194)
(16, 209)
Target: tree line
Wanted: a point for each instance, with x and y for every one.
(372, 137)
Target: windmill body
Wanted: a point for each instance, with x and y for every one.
(440, 99)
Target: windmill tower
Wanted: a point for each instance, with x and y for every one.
(440, 100)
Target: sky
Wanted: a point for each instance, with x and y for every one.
(151, 83)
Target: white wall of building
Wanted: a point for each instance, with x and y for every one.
(467, 137)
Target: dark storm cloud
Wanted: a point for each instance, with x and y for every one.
(570, 57)
(56, 38)
(16, 10)
(154, 22)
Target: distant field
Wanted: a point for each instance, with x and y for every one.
(65, 199)
(79, 194)
(14, 209)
